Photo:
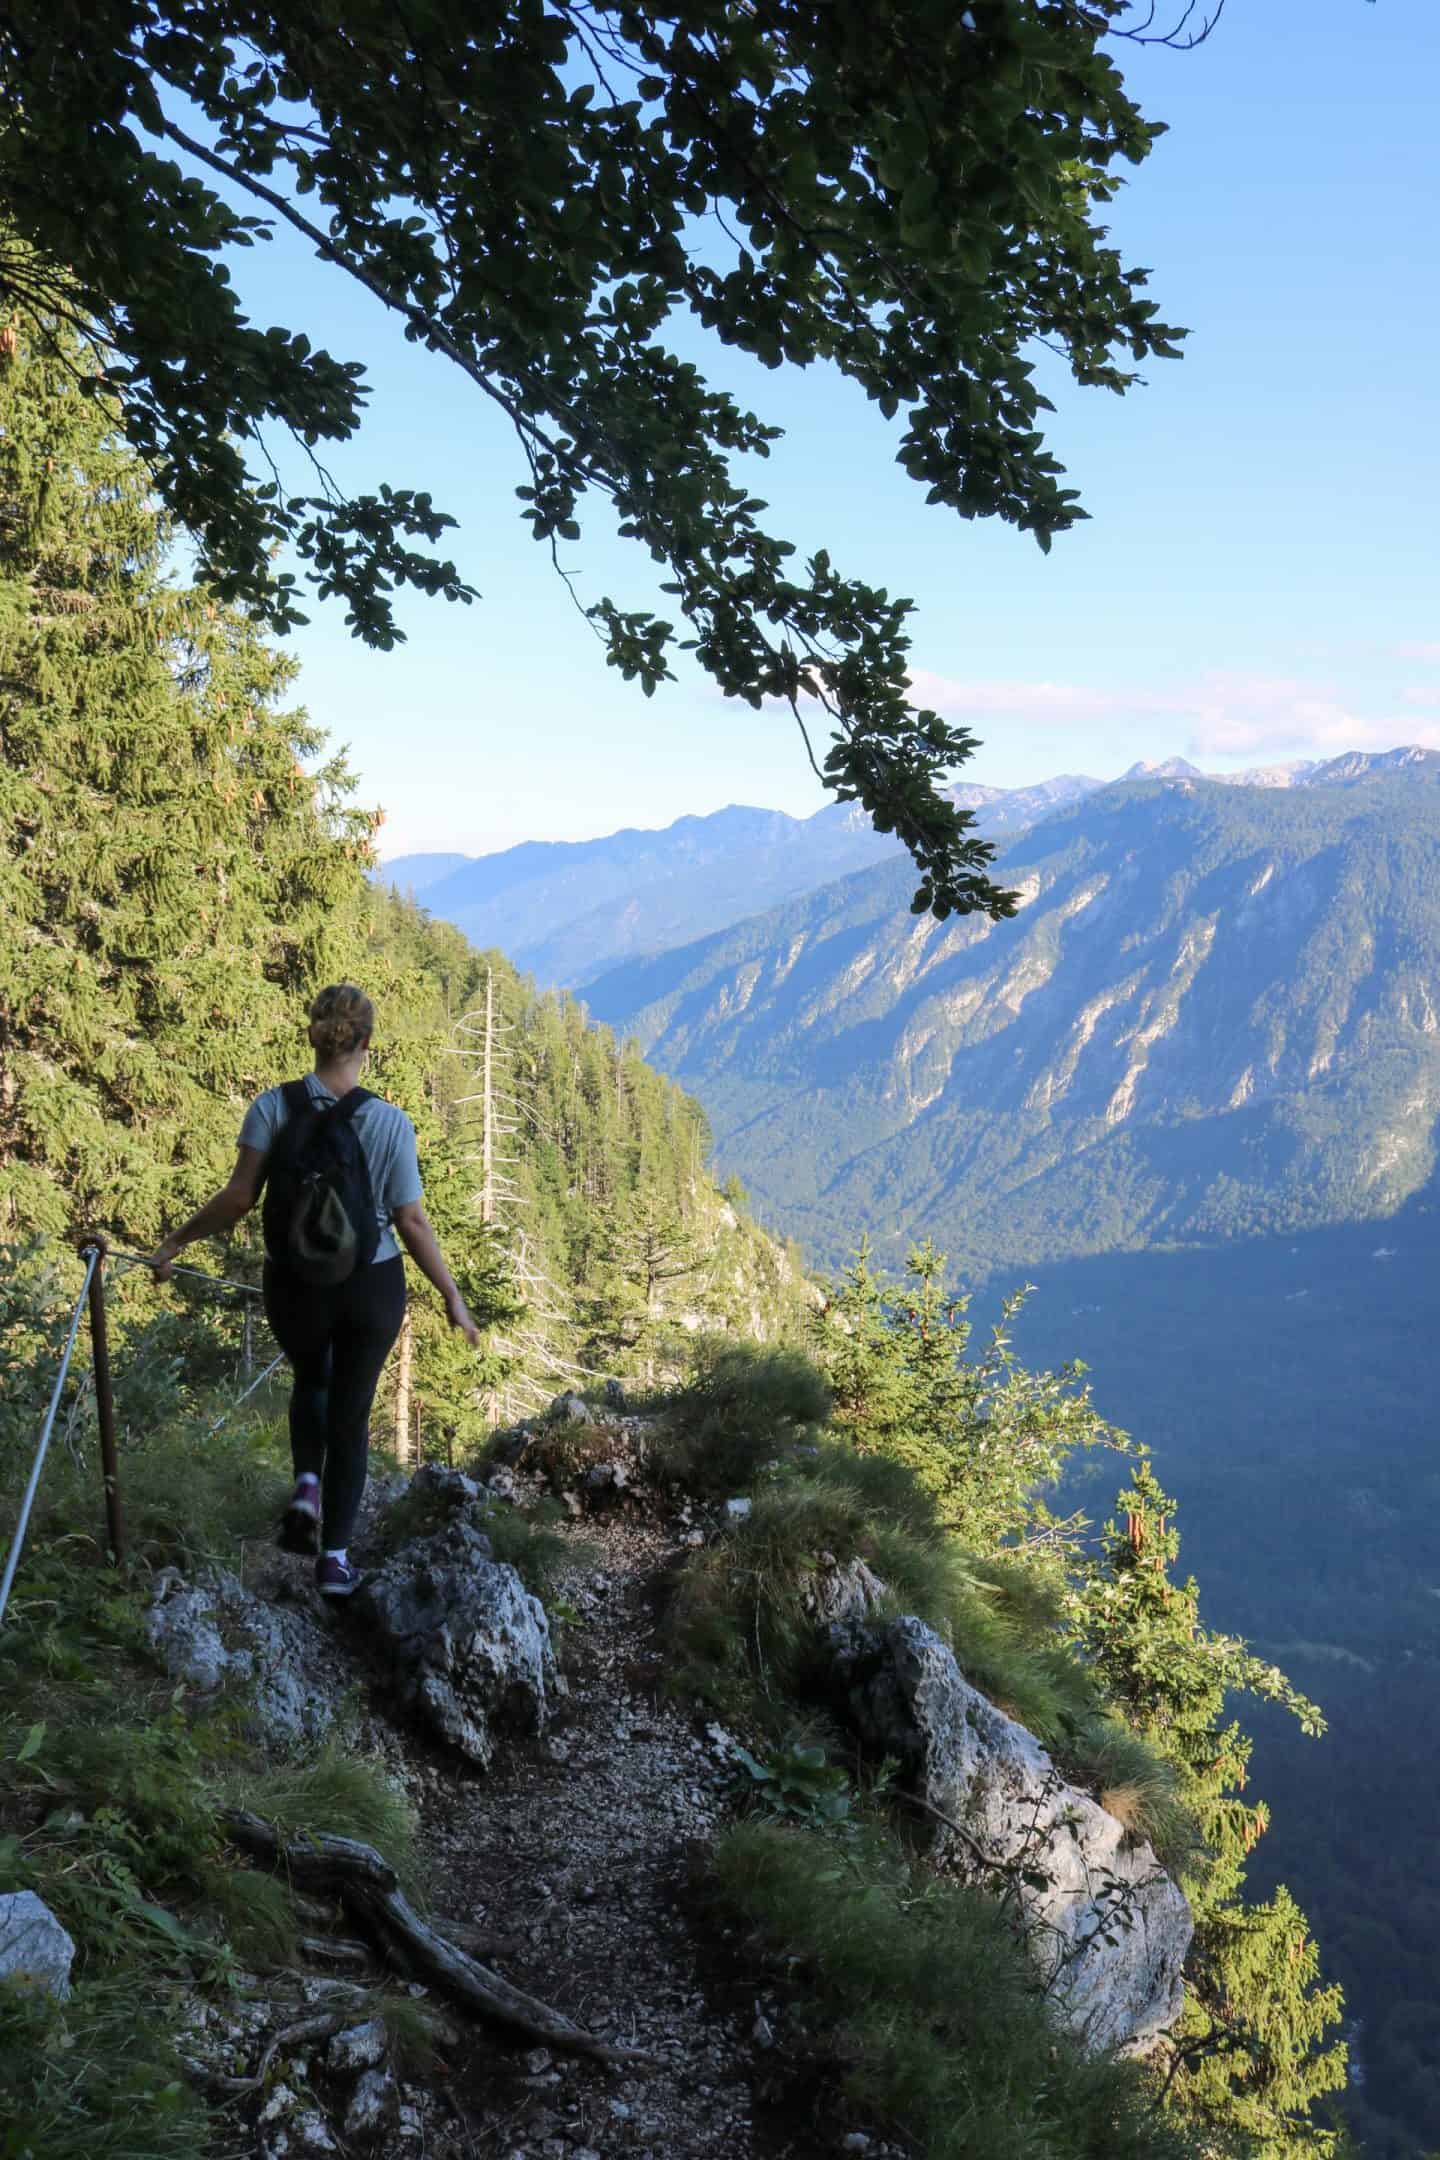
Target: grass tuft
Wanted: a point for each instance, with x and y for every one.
(95, 2078)
(336, 1793)
(928, 2003)
(412, 2029)
(742, 1613)
(1135, 1784)
(254, 1910)
(528, 1540)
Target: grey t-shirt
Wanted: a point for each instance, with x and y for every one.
(387, 1141)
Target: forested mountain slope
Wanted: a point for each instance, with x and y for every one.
(1215, 1015)
(177, 878)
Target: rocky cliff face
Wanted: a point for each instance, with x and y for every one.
(1216, 1012)
(1105, 1926)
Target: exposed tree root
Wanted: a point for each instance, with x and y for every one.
(322, 2027)
(370, 1890)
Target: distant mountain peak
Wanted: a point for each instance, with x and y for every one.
(1170, 768)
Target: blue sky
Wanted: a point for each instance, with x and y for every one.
(1258, 580)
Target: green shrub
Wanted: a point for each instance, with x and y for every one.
(795, 1782)
(926, 2000)
(744, 1408)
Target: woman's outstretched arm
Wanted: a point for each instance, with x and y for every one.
(416, 1233)
(219, 1213)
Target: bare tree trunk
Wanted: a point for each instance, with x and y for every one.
(402, 1394)
(487, 1142)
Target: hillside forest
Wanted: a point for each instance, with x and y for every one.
(182, 861)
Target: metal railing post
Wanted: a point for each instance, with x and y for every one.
(105, 1409)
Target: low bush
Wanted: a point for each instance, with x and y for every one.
(743, 1616)
(744, 1408)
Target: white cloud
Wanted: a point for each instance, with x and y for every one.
(1032, 700)
(1228, 714)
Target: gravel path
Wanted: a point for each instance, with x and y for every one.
(577, 1851)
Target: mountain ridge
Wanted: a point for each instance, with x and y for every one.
(1028, 1089)
(569, 911)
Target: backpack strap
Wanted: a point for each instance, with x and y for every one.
(346, 1107)
(296, 1097)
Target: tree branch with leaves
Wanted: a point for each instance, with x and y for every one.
(912, 196)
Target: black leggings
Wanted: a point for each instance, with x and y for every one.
(337, 1341)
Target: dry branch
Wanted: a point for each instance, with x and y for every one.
(371, 1892)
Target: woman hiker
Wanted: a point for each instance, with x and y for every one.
(342, 1183)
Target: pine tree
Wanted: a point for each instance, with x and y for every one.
(983, 1435)
(173, 879)
(1256, 2048)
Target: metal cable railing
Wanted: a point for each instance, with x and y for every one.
(92, 1262)
(92, 1290)
(216, 1282)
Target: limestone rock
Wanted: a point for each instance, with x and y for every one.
(372, 2109)
(468, 1646)
(1109, 1929)
(433, 1481)
(214, 1632)
(842, 1590)
(571, 1409)
(359, 2047)
(35, 1951)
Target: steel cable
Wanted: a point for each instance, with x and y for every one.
(92, 1261)
(216, 1282)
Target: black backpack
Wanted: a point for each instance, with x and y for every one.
(319, 1214)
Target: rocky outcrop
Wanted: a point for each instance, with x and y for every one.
(841, 1590)
(35, 1951)
(215, 1633)
(467, 1645)
(1105, 1925)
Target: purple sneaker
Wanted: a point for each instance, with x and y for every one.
(300, 1524)
(335, 1577)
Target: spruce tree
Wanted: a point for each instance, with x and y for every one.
(173, 878)
(1256, 2048)
(984, 1436)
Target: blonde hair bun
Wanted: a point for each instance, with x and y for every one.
(342, 1018)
